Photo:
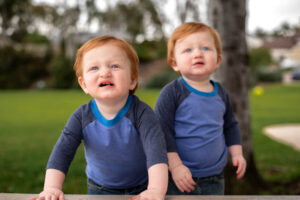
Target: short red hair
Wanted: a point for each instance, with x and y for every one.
(102, 40)
(189, 28)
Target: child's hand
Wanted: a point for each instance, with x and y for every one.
(239, 162)
(149, 194)
(183, 178)
(50, 193)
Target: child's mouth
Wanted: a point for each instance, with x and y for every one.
(199, 63)
(104, 84)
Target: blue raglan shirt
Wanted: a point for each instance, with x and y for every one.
(198, 126)
(119, 151)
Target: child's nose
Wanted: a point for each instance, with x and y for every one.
(198, 52)
(105, 72)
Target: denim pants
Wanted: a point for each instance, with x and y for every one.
(211, 185)
(94, 188)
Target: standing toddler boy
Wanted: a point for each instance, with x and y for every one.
(196, 115)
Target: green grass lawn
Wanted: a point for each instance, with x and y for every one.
(31, 122)
(278, 105)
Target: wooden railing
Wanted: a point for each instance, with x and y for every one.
(15, 196)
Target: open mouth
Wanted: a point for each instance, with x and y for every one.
(104, 84)
(199, 63)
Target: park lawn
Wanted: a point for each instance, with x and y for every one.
(278, 105)
(31, 122)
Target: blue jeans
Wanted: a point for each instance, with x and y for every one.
(94, 188)
(211, 185)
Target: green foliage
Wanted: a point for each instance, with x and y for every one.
(265, 75)
(160, 80)
(260, 59)
(150, 50)
(35, 38)
(260, 33)
(19, 69)
(62, 73)
(134, 18)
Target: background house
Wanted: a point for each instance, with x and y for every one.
(285, 50)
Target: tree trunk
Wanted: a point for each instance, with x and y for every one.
(228, 17)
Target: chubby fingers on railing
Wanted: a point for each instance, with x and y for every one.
(153, 194)
(49, 194)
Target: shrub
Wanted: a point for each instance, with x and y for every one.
(150, 50)
(260, 59)
(265, 75)
(162, 79)
(62, 73)
(19, 69)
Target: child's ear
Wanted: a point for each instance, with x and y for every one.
(174, 65)
(220, 58)
(133, 84)
(82, 84)
(173, 62)
(175, 68)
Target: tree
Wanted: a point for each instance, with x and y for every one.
(135, 18)
(14, 16)
(228, 17)
(186, 8)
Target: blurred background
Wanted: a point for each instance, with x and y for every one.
(39, 90)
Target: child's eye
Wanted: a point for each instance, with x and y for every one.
(188, 50)
(204, 48)
(94, 68)
(114, 66)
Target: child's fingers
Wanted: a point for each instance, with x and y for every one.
(190, 180)
(134, 197)
(240, 174)
(179, 186)
(61, 197)
(184, 186)
(41, 198)
(189, 183)
(34, 198)
(241, 169)
(190, 187)
(234, 162)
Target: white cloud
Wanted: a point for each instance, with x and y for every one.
(269, 15)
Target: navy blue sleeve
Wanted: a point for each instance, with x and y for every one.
(67, 144)
(231, 127)
(165, 109)
(151, 134)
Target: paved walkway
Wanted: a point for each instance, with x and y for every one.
(288, 134)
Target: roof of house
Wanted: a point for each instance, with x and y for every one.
(281, 43)
(284, 42)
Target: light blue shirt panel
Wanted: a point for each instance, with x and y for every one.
(199, 134)
(114, 154)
